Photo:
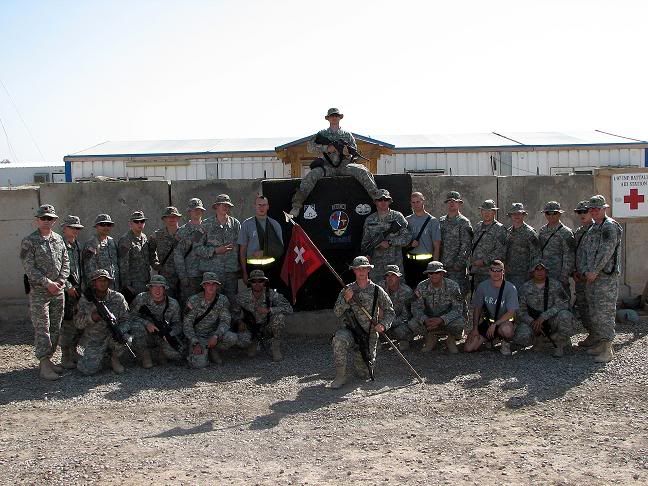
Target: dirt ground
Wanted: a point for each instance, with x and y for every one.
(481, 418)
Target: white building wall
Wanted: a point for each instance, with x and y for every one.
(455, 163)
(525, 163)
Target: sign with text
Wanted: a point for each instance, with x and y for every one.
(630, 195)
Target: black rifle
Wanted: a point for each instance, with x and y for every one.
(128, 295)
(258, 331)
(394, 227)
(26, 285)
(546, 328)
(164, 328)
(68, 310)
(339, 146)
(361, 337)
(110, 319)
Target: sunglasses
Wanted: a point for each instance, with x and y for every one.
(46, 218)
(496, 270)
(104, 224)
(139, 221)
(257, 281)
(582, 211)
(552, 213)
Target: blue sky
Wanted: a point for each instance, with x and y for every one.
(82, 72)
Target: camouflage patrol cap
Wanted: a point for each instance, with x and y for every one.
(334, 111)
(100, 273)
(489, 205)
(223, 199)
(582, 206)
(46, 210)
(257, 275)
(72, 222)
(195, 203)
(598, 202)
(435, 267)
(158, 280)
(361, 262)
(552, 206)
(103, 218)
(210, 277)
(137, 216)
(453, 196)
(171, 211)
(393, 269)
(517, 208)
(384, 194)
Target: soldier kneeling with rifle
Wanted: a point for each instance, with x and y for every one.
(103, 317)
(355, 303)
(156, 319)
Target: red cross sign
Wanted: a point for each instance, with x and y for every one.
(630, 194)
(634, 198)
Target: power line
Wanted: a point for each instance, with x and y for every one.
(11, 150)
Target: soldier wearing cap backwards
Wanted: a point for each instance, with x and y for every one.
(544, 311)
(333, 163)
(263, 314)
(47, 266)
(557, 245)
(580, 305)
(401, 296)
(185, 256)
(162, 308)
(206, 323)
(456, 241)
(426, 243)
(384, 235)
(97, 337)
(135, 257)
(488, 244)
(438, 309)
(74, 284)
(362, 293)
(163, 243)
(601, 268)
(100, 251)
(522, 247)
(218, 251)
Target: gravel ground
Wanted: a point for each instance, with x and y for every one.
(524, 419)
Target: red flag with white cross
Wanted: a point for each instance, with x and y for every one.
(302, 259)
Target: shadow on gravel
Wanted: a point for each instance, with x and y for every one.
(16, 332)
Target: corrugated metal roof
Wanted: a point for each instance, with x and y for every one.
(455, 140)
(32, 165)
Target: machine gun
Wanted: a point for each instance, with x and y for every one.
(164, 328)
(394, 228)
(339, 146)
(361, 337)
(109, 318)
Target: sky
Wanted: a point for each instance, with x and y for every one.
(77, 73)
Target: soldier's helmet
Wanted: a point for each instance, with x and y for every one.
(393, 269)
(361, 262)
(100, 273)
(195, 203)
(46, 210)
(552, 206)
(257, 275)
(210, 277)
(72, 222)
(158, 280)
(435, 267)
(597, 202)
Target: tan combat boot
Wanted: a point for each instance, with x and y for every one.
(606, 354)
(46, 371)
(67, 358)
(56, 368)
(360, 367)
(596, 350)
(252, 349)
(430, 342)
(451, 343)
(275, 348)
(588, 342)
(147, 361)
(559, 349)
(116, 365)
(214, 356)
(340, 377)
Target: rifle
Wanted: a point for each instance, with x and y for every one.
(68, 310)
(164, 328)
(361, 338)
(546, 328)
(110, 319)
(394, 227)
(339, 146)
(258, 331)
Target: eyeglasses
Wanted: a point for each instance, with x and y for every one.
(46, 218)
(496, 270)
(103, 225)
(552, 213)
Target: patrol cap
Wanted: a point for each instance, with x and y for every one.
(540, 263)
(137, 216)
(453, 196)
(598, 202)
(195, 203)
(103, 218)
(552, 206)
(257, 275)
(72, 222)
(517, 208)
(384, 194)
(158, 280)
(361, 262)
(171, 211)
(210, 277)
(489, 205)
(223, 199)
(100, 273)
(435, 267)
(393, 269)
(46, 210)
(334, 111)
(582, 206)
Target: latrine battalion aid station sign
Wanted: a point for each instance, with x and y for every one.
(630, 195)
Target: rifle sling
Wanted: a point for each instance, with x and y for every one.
(204, 314)
(481, 236)
(550, 236)
(420, 233)
(166, 257)
(498, 304)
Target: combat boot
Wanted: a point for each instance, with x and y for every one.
(360, 367)
(340, 377)
(606, 354)
(451, 343)
(147, 361)
(430, 342)
(252, 349)
(116, 365)
(46, 371)
(596, 350)
(161, 357)
(67, 360)
(56, 368)
(275, 348)
(404, 345)
(559, 349)
(214, 356)
(505, 348)
(588, 342)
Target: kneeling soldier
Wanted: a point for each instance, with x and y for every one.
(103, 316)
(207, 323)
(544, 311)
(438, 309)
(401, 296)
(360, 332)
(156, 317)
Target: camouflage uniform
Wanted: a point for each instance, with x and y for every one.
(446, 302)
(69, 333)
(491, 246)
(376, 224)
(522, 249)
(135, 261)
(402, 303)
(279, 307)
(558, 252)
(101, 255)
(580, 305)
(557, 315)
(186, 258)
(45, 260)
(456, 240)
(145, 339)
(97, 336)
(161, 243)
(216, 323)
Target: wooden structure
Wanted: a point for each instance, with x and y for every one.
(296, 155)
